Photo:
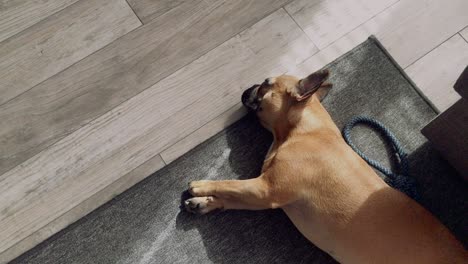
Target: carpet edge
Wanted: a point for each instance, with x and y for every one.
(374, 39)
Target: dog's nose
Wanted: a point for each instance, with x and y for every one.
(248, 97)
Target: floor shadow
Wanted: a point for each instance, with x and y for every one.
(379, 221)
(251, 237)
(265, 236)
(249, 143)
(441, 190)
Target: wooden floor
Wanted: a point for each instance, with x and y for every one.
(95, 95)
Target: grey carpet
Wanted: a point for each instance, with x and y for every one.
(145, 225)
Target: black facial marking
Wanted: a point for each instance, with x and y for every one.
(248, 101)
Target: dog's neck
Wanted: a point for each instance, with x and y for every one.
(304, 118)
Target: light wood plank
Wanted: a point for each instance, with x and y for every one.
(203, 133)
(325, 21)
(60, 40)
(287, 48)
(436, 73)
(464, 34)
(85, 162)
(329, 54)
(63, 103)
(147, 10)
(84, 208)
(431, 23)
(401, 19)
(17, 15)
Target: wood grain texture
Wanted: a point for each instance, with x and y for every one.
(401, 19)
(17, 15)
(104, 150)
(431, 23)
(329, 54)
(436, 73)
(60, 40)
(84, 208)
(63, 103)
(325, 21)
(287, 47)
(203, 133)
(147, 10)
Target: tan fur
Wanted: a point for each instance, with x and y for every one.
(330, 194)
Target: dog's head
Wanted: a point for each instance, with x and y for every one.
(273, 100)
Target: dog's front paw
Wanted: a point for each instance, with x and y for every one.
(201, 188)
(202, 205)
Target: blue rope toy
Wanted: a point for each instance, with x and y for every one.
(400, 181)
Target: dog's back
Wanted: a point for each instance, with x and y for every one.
(342, 206)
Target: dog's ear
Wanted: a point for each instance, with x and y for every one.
(314, 83)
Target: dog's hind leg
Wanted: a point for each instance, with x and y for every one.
(252, 194)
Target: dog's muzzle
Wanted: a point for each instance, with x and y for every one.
(249, 98)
